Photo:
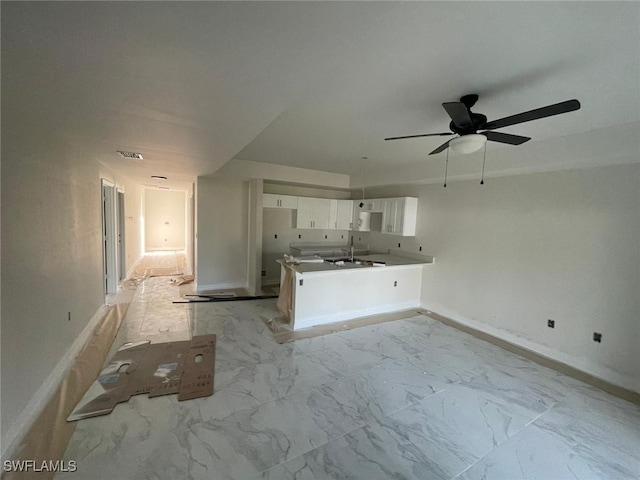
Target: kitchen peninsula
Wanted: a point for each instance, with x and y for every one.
(320, 293)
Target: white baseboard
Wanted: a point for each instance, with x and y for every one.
(581, 364)
(14, 435)
(365, 312)
(220, 286)
(133, 267)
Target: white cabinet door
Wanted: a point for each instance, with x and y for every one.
(388, 215)
(344, 215)
(333, 215)
(270, 200)
(400, 216)
(313, 213)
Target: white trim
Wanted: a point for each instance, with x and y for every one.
(351, 315)
(220, 286)
(14, 435)
(582, 364)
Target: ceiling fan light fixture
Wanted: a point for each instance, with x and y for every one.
(467, 143)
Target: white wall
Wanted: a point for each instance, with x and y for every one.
(520, 250)
(222, 218)
(165, 219)
(51, 256)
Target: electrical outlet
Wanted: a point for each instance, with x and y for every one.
(420, 249)
(551, 323)
(299, 236)
(325, 237)
(264, 273)
(275, 236)
(395, 283)
(597, 337)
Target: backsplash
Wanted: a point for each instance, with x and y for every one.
(277, 234)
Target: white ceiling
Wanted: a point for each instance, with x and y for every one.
(308, 84)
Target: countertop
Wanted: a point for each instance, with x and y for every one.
(390, 260)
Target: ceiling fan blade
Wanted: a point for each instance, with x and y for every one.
(459, 114)
(441, 148)
(548, 111)
(505, 138)
(422, 135)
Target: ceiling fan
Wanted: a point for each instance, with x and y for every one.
(466, 124)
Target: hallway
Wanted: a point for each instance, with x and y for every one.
(407, 399)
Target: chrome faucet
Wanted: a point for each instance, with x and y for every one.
(351, 249)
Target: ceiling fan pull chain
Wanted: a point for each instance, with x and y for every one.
(484, 159)
(446, 167)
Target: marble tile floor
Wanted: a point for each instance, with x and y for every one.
(408, 399)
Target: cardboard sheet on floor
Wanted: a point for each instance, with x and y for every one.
(184, 367)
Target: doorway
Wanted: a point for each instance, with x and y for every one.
(121, 247)
(109, 236)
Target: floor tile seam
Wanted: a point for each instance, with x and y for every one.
(380, 364)
(433, 394)
(547, 409)
(422, 400)
(317, 447)
(511, 438)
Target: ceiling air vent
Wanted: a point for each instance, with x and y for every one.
(133, 155)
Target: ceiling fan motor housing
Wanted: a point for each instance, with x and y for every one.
(477, 121)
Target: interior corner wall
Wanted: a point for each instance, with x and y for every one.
(523, 249)
(222, 223)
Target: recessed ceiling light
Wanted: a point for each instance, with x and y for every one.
(133, 155)
(158, 177)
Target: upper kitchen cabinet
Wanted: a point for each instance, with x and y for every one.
(399, 216)
(313, 213)
(270, 200)
(341, 215)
